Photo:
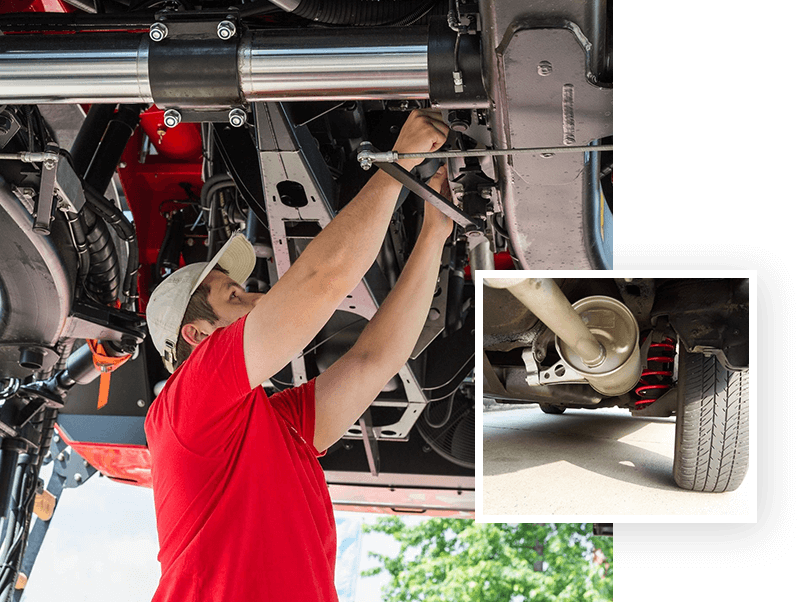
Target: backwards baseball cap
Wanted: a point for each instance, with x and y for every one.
(168, 303)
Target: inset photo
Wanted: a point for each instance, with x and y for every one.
(616, 396)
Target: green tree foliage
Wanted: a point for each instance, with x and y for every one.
(463, 561)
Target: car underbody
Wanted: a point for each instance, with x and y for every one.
(135, 137)
(655, 346)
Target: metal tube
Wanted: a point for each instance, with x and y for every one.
(481, 256)
(367, 157)
(503, 152)
(335, 64)
(544, 298)
(74, 69)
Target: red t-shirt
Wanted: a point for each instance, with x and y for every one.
(242, 508)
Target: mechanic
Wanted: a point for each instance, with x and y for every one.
(242, 506)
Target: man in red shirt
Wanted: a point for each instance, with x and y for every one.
(242, 506)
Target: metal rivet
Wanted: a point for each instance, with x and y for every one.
(140, 403)
(544, 68)
(60, 457)
(78, 478)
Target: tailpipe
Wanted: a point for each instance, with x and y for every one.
(596, 336)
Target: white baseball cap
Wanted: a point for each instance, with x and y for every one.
(168, 303)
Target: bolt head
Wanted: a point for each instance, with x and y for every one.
(544, 68)
(158, 31)
(78, 478)
(226, 30)
(172, 118)
(237, 117)
(140, 403)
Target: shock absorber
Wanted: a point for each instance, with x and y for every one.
(657, 378)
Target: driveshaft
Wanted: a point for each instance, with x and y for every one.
(332, 64)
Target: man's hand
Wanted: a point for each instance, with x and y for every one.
(424, 132)
(434, 220)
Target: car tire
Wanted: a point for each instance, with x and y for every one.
(711, 448)
(550, 409)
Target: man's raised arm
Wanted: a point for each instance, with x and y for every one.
(298, 306)
(348, 387)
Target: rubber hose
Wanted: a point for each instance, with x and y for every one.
(79, 240)
(103, 280)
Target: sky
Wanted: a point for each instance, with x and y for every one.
(102, 540)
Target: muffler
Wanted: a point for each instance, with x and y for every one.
(597, 336)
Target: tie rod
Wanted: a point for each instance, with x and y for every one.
(367, 157)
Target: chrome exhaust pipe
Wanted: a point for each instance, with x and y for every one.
(596, 336)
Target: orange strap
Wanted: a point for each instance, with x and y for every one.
(105, 364)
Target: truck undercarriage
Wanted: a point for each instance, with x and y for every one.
(655, 346)
(135, 137)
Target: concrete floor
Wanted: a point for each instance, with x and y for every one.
(589, 463)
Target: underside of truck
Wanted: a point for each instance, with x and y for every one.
(655, 346)
(136, 136)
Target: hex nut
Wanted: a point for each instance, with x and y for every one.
(172, 118)
(158, 32)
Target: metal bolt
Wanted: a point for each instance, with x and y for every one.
(158, 31)
(236, 117)
(172, 118)
(140, 403)
(365, 155)
(544, 68)
(56, 438)
(486, 193)
(60, 457)
(226, 30)
(546, 155)
(123, 164)
(78, 478)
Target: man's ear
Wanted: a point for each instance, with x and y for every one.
(193, 333)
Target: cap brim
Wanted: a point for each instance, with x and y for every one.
(236, 257)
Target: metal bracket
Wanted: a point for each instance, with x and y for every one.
(47, 189)
(559, 373)
(68, 464)
(371, 444)
(90, 320)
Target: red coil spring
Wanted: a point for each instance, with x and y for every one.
(657, 378)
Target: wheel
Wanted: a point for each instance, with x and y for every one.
(550, 409)
(711, 448)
